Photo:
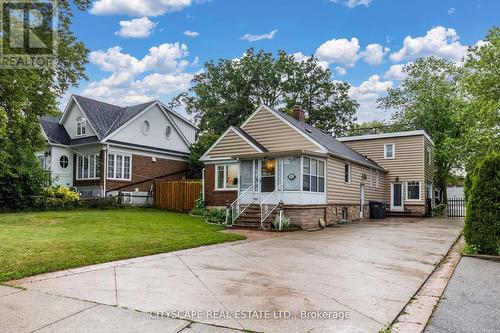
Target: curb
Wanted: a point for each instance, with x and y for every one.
(419, 309)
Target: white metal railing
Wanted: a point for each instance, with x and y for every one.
(237, 207)
(269, 204)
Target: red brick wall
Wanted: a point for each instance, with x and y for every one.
(143, 169)
(212, 197)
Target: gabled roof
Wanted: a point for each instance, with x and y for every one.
(56, 133)
(106, 118)
(332, 145)
(250, 138)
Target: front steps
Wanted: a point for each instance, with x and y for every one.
(250, 219)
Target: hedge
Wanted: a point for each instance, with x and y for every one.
(482, 220)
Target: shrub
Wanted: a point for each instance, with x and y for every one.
(199, 207)
(482, 220)
(56, 197)
(471, 249)
(438, 210)
(285, 222)
(216, 215)
(104, 202)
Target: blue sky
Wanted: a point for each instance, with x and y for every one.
(150, 49)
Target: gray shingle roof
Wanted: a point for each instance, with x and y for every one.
(331, 144)
(54, 131)
(106, 118)
(246, 135)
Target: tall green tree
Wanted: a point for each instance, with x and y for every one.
(481, 116)
(27, 94)
(228, 91)
(430, 98)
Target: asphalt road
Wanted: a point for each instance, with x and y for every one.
(471, 301)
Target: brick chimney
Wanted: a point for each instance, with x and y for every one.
(299, 114)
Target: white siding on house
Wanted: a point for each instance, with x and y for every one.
(61, 176)
(69, 124)
(132, 133)
(186, 128)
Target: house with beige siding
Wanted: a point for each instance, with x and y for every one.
(274, 158)
(407, 159)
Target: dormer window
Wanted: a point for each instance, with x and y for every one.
(81, 126)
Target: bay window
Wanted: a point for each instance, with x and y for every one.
(226, 176)
(119, 166)
(313, 175)
(88, 166)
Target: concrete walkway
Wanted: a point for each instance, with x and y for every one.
(363, 273)
(471, 300)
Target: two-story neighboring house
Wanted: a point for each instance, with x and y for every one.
(407, 157)
(100, 148)
(274, 157)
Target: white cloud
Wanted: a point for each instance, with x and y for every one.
(370, 89)
(138, 7)
(167, 58)
(160, 72)
(254, 38)
(395, 72)
(340, 70)
(353, 3)
(299, 56)
(439, 42)
(367, 94)
(374, 54)
(136, 28)
(451, 11)
(339, 51)
(192, 34)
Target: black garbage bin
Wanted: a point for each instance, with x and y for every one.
(377, 210)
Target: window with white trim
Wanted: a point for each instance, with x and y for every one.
(413, 190)
(389, 150)
(81, 126)
(374, 180)
(313, 175)
(119, 166)
(226, 176)
(429, 157)
(88, 166)
(347, 172)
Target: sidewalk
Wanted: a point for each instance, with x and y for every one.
(28, 311)
(471, 301)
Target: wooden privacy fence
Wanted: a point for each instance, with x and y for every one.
(178, 195)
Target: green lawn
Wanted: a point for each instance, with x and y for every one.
(33, 243)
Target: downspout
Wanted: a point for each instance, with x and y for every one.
(203, 184)
(105, 171)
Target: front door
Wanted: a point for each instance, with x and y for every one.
(268, 175)
(396, 197)
(362, 201)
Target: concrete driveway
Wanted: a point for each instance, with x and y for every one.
(367, 271)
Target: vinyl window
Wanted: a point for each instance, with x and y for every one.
(390, 151)
(87, 166)
(119, 166)
(81, 126)
(413, 190)
(347, 173)
(226, 176)
(313, 175)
